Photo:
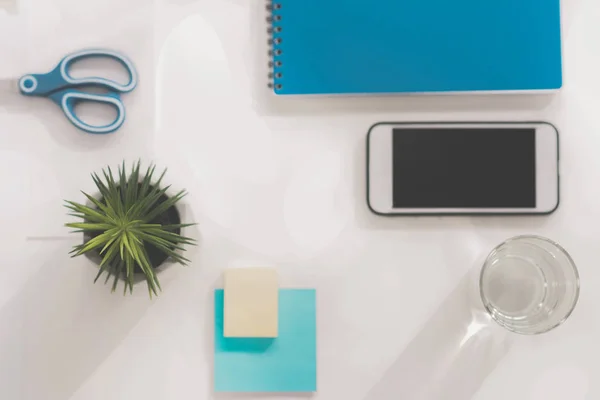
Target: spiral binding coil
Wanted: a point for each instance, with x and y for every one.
(275, 51)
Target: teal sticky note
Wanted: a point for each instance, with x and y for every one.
(287, 363)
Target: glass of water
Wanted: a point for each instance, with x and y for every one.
(529, 284)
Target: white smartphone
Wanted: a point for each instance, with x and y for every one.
(462, 168)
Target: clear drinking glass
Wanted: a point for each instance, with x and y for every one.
(529, 284)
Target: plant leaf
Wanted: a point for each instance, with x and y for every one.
(117, 275)
(155, 240)
(114, 193)
(107, 260)
(111, 271)
(144, 205)
(130, 273)
(109, 212)
(158, 182)
(94, 243)
(170, 236)
(171, 253)
(90, 214)
(110, 242)
(123, 185)
(146, 182)
(131, 189)
(105, 193)
(87, 226)
(151, 278)
(76, 249)
(164, 206)
(177, 226)
(121, 246)
(128, 247)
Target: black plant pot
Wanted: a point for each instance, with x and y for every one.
(156, 256)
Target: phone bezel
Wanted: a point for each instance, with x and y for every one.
(379, 169)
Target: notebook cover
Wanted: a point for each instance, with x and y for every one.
(402, 46)
(287, 363)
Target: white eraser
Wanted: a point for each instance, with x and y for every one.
(251, 303)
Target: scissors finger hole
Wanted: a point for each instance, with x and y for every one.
(95, 114)
(28, 84)
(104, 67)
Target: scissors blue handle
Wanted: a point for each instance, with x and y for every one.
(62, 88)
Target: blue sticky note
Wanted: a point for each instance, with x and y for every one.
(287, 363)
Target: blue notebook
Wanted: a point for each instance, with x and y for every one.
(404, 46)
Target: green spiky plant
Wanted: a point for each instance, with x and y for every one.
(121, 226)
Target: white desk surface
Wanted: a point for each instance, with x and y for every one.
(273, 182)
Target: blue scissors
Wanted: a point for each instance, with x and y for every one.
(61, 87)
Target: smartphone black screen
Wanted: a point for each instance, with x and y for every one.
(464, 168)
